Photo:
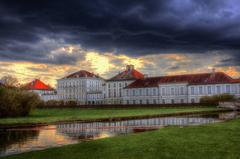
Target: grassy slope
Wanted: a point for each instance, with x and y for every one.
(214, 141)
(52, 115)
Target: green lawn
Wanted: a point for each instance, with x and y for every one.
(53, 115)
(213, 141)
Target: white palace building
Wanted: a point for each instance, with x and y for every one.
(132, 87)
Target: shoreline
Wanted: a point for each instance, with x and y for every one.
(24, 125)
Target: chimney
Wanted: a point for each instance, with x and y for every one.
(213, 70)
(130, 67)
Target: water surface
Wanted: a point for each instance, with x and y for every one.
(13, 141)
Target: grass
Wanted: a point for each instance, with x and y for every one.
(213, 141)
(68, 114)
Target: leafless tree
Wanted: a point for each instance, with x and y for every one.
(9, 81)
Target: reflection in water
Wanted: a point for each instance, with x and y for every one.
(28, 139)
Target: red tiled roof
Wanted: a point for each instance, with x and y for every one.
(236, 80)
(82, 73)
(128, 75)
(37, 85)
(193, 79)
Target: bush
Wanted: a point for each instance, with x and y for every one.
(215, 99)
(59, 103)
(71, 103)
(16, 102)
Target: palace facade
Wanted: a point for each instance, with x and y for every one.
(132, 87)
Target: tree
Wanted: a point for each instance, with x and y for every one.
(9, 81)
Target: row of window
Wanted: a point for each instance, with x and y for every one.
(119, 85)
(154, 92)
(210, 90)
(154, 101)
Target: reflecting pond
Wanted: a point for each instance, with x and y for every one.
(13, 141)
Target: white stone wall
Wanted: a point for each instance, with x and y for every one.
(84, 90)
(176, 93)
(197, 91)
(113, 92)
(48, 97)
(163, 94)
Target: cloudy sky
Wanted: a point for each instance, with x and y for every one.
(49, 39)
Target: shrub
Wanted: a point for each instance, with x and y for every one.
(71, 103)
(15, 102)
(215, 99)
(54, 103)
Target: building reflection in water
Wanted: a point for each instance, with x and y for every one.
(28, 139)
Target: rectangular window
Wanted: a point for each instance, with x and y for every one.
(192, 90)
(172, 101)
(228, 89)
(147, 101)
(134, 102)
(127, 93)
(163, 101)
(218, 90)
(163, 91)
(154, 91)
(181, 91)
(133, 92)
(182, 100)
(200, 90)
(147, 91)
(154, 101)
(172, 91)
(192, 100)
(209, 90)
(140, 92)
(120, 85)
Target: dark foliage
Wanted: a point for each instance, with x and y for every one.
(15, 102)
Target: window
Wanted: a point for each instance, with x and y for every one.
(134, 102)
(120, 85)
(181, 91)
(172, 91)
(200, 90)
(227, 88)
(127, 101)
(120, 93)
(147, 101)
(218, 89)
(114, 85)
(182, 100)
(192, 90)
(133, 92)
(115, 94)
(147, 91)
(154, 91)
(127, 93)
(140, 101)
(109, 85)
(163, 91)
(140, 92)
(172, 101)
(154, 101)
(238, 88)
(209, 90)
(163, 101)
(125, 84)
(192, 100)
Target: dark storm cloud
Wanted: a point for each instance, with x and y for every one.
(130, 27)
